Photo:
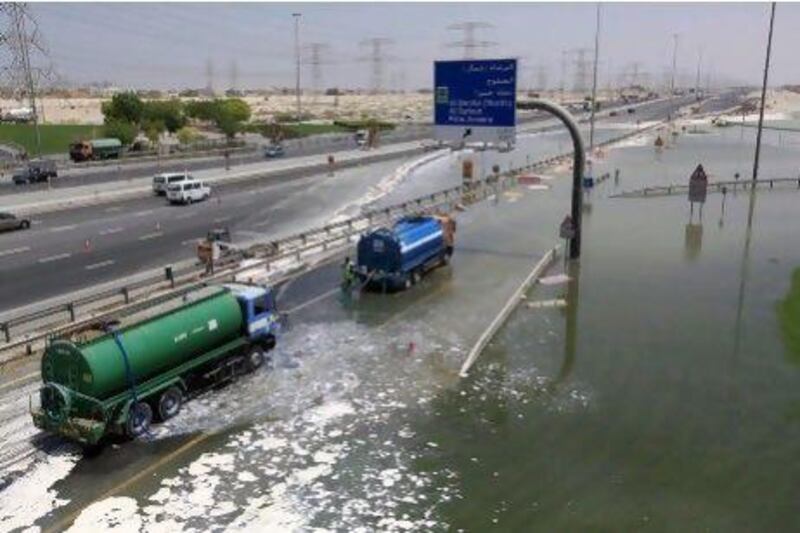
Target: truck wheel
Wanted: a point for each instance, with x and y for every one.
(170, 402)
(416, 277)
(269, 342)
(189, 201)
(140, 416)
(25, 224)
(255, 358)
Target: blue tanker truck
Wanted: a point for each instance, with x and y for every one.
(395, 258)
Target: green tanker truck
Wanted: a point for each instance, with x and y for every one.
(119, 382)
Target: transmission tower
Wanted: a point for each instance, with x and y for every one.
(234, 73)
(583, 67)
(21, 40)
(541, 77)
(315, 57)
(470, 44)
(377, 57)
(209, 76)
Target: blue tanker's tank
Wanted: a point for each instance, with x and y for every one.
(392, 255)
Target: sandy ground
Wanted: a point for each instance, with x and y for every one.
(400, 107)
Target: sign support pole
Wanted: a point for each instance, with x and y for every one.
(579, 161)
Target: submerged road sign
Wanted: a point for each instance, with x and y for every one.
(475, 100)
(698, 185)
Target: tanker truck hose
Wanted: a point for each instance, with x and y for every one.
(129, 378)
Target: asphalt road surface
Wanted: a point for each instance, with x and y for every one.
(309, 146)
(78, 248)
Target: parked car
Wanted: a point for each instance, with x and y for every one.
(11, 222)
(162, 181)
(187, 192)
(274, 150)
(36, 171)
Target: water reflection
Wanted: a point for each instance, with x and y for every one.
(571, 327)
(693, 241)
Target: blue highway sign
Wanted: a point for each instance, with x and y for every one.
(475, 100)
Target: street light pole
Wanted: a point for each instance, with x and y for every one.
(594, 80)
(297, 61)
(763, 95)
(579, 161)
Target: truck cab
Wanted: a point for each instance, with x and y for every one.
(258, 310)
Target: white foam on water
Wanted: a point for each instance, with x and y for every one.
(31, 496)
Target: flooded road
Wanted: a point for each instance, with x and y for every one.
(661, 398)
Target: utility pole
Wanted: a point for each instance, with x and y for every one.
(697, 78)
(674, 65)
(594, 79)
(763, 95)
(297, 62)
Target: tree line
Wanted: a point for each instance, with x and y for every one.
(126, 115)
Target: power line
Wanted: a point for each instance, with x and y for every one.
(470, 44)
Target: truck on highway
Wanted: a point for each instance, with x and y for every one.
(121, 380)
(95, 149)
(37, 170)
(396, 258)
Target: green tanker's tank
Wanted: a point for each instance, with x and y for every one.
(97, 368)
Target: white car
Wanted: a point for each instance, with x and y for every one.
(187, 192)
(162, 181)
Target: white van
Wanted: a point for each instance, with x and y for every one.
(188, 191)
(162, 181)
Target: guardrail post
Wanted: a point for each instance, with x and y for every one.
(126, 293)
(71, 310)
(170, 275)
(6, 331)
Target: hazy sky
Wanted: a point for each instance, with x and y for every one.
(168, 45)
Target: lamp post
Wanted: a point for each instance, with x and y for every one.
(579, 161)
(297, 61)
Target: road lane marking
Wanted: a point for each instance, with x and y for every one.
(15, 250)
(113, 209)
(54, 258)
(143, 213)
(314, 300)
(111, 231)
(191, 241)
(262, 224)
(64, 228)
(185, 216)
(101, 264)
(221, 220)
(153, 235)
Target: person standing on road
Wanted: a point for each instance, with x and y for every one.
(348, 274)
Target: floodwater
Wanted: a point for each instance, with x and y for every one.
(663, 397)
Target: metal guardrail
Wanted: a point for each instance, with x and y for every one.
(62, 318)
(716, 186)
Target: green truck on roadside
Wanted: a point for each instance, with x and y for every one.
(119, 382)
(95, 149)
